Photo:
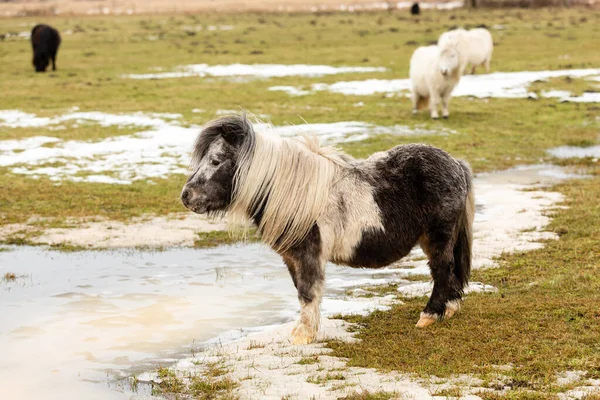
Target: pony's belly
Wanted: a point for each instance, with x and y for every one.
(371, 253)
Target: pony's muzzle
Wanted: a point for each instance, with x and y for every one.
(193, 200)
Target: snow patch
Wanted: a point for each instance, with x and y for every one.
(497, 84)
(253, 71)
(575, 152)
(159, 150)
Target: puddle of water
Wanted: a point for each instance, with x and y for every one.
(497, 84)
(253, 71)
(82, 316)
(529, 175)
(575, 152)
(158, 151)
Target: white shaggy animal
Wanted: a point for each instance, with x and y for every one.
(481, 47)
(434, 72)
(457, 38)
(475, 47)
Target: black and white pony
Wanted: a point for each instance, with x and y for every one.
(313, 204)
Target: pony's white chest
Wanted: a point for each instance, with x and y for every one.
(351, 211)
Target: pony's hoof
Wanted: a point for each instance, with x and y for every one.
(435, 117)
(445, 116)
(426, 320)
(452, 307)
(414, 111)
(302, 334)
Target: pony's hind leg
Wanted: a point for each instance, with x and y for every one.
(447, 291)
(415, 101)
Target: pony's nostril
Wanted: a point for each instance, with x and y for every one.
(185, 195)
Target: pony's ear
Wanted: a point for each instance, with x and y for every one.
(234, 129)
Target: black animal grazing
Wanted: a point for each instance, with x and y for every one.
(415, 9)
(314, 204)
(45, 41)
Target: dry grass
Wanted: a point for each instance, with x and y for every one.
(9, 277)
(212, 385)
(366, 395)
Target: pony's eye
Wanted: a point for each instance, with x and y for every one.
(215, 162)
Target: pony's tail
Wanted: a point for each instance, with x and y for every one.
(464, 240)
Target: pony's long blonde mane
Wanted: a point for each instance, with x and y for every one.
(289, 181)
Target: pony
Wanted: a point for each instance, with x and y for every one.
(481, 47)
(315, 204)
(415, 9)
(45, 41)
(475, 47)
(434, 73)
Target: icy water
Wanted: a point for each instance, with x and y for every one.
(75, 322)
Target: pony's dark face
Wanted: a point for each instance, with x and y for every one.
(40, 62)
(209, 188)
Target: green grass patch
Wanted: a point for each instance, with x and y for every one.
(218, 238)
(22, 197)
(308, 360)
(211, 385)
(366, 395)
(542, 321)
(453, 392)
(574, 85)
(323, 379)
(417, 278)
(169, 382)
(256, 345)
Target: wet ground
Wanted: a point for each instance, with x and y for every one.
(74, 325)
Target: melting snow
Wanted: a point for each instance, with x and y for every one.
(575, 152)
(161, 149)
(253, 70)
(498, 84)
(586, 97)
(291, 90)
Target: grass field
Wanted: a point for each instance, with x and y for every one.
(544, 320)
(494, 133)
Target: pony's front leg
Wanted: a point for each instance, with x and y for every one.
(434, 100)
(308, 274)
(445, 103)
